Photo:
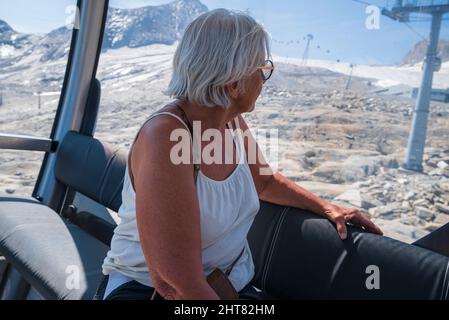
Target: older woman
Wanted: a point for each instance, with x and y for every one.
(183, 219)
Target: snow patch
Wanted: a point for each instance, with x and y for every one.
(387, 83)
(6, 51)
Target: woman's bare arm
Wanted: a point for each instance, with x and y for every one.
(167, 213)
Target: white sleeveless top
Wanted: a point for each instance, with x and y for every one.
(227, 211)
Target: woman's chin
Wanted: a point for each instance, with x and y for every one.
(247, 108)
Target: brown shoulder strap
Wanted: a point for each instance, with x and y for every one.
(196, 166)
(228, 272)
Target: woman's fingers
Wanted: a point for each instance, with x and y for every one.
(341, 228)
(356, 218)
(360, 220)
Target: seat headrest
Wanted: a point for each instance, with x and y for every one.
(91, 167)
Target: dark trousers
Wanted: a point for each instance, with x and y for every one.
(437, 241)
(134, 290)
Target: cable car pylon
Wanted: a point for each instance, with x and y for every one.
(305, 56)
(401, 12)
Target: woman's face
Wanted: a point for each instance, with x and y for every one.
(253, 84)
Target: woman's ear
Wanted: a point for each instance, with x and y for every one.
(233, 89)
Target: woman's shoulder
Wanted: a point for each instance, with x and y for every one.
(164, 120)
(154, 142)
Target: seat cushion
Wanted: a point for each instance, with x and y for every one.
(57, 258)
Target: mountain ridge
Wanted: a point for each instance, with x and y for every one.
(131, 28)
(418, 52)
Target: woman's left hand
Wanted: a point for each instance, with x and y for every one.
(340, 216)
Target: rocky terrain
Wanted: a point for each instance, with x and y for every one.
(348, 145)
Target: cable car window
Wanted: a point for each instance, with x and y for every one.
(35, 39)
(342, 97)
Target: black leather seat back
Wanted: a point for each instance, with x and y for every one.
(92, 167)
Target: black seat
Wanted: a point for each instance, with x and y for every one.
(56, 258)
(297, 254)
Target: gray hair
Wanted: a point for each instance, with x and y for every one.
(218, 48)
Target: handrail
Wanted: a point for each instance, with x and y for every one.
(28, 143)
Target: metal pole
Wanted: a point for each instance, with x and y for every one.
(415, 148)
(350, 77)
(305, 57)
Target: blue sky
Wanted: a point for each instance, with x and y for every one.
(338, 26)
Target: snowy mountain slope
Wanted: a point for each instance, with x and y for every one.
(132, 28)
(148, 25)
(386, 76)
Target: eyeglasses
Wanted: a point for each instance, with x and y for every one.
(266, 70)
